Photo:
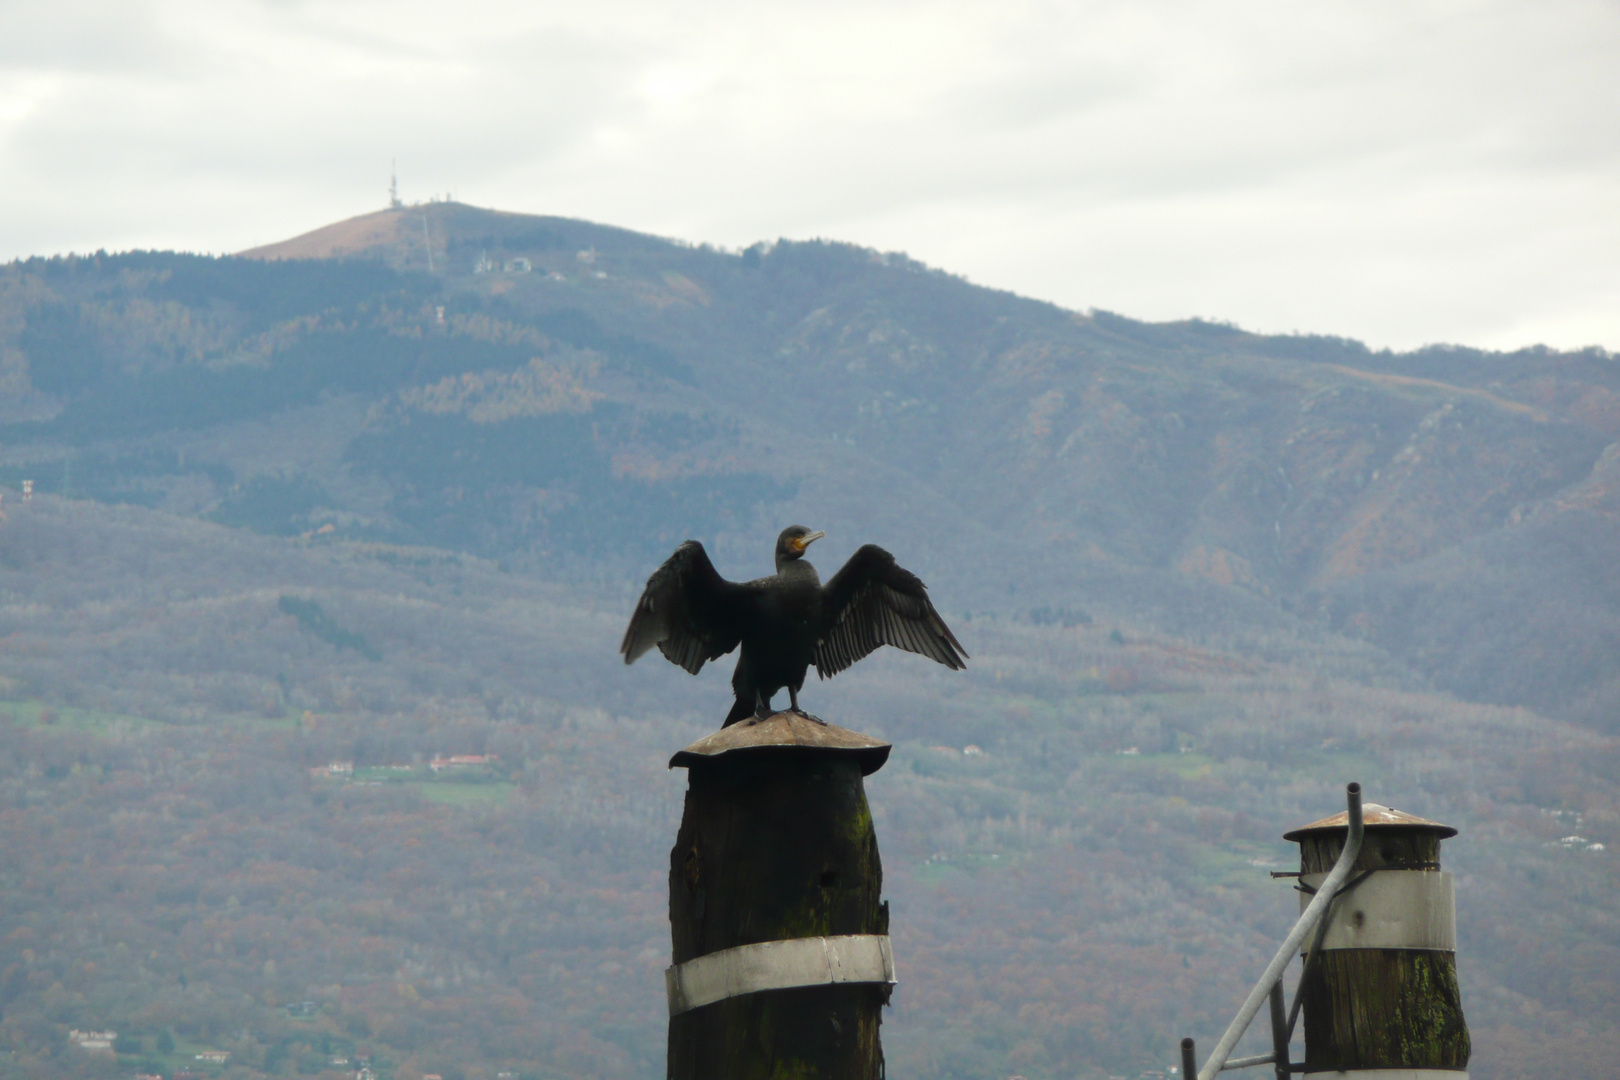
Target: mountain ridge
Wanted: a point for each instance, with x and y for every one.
(1008, 438)
(301, 526)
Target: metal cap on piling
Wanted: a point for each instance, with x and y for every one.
(784, 731)
(1373, 816)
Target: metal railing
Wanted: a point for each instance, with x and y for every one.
(1314, 917)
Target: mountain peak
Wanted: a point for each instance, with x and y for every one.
(434, 236)
(356, 237)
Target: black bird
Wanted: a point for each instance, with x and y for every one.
(786, 622)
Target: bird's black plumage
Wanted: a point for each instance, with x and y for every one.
(786, 622)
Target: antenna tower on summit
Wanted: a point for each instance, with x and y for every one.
(393, 186)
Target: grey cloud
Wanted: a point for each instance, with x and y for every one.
(1382, 170)
(87, 37)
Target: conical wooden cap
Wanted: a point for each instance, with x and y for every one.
(781, 732)
(1373, 816)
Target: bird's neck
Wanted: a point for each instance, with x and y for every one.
(795, 569)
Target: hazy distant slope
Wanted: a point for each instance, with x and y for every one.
(366, 235)
(181, 859)
(624, 392)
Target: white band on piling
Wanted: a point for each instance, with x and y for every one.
(1390, 1074)
(779, 965)
(1392, 909)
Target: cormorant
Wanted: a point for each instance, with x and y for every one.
(786, 622)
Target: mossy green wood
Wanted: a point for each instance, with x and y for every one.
(1384, 1009)
(776, 844)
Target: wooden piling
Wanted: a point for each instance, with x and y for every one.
(1381, 993)
(776, 845)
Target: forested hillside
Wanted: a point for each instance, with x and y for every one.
(622, 392)
(383, 496)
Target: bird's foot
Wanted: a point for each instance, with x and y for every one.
(808, 716)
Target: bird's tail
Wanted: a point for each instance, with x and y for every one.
(742, 710)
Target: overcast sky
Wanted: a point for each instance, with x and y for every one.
(1401, 172)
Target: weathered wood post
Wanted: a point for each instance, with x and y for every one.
(1380, 992)
(781, 963)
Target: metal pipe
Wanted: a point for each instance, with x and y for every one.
(1189, 1059)
(1279, 1028)
(1305, 973)
(1307, 922)
(1245, 1062)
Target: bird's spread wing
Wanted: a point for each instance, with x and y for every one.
(874, 601)
(688, 610)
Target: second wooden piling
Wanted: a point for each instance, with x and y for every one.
(1381, 991)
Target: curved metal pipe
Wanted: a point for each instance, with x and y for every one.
(1313, 912)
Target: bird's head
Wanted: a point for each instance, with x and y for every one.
(793, 541)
